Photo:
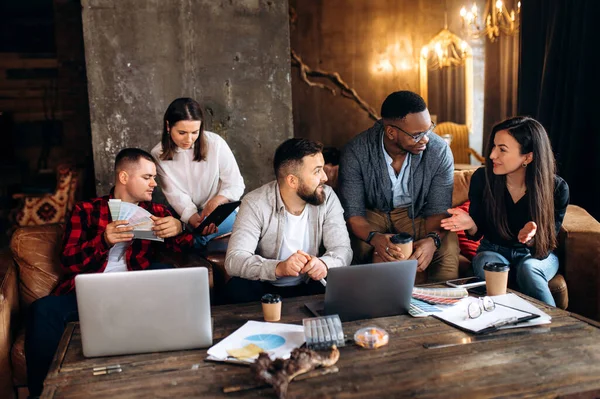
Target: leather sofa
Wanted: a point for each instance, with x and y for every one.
(30, 270)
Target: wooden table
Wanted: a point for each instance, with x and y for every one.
(557, 360)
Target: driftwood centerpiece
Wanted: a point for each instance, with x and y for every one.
(279, 373)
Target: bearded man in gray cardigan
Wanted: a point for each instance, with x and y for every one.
(288, 233)
(396, 177)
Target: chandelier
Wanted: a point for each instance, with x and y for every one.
(497, 20)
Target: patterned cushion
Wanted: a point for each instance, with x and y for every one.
(51, 208)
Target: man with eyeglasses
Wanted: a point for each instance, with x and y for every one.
(397, 177)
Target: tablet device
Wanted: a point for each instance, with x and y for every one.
(218, 215)
(481, 290)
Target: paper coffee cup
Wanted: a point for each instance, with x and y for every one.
(405, 242)
(271, 306)
(496, 278)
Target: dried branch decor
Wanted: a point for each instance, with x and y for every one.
(334, 77)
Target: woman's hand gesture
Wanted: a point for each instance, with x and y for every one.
(527, 232)
(460, 220)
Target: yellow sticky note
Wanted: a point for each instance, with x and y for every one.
(246, 352)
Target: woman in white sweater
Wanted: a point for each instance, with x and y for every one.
(197, 169)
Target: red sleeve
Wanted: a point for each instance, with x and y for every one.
(182, 241)
(84, 247)
(468, 247)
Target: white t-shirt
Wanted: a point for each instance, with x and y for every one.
(116, 258)
(295, 237)
(188, 185)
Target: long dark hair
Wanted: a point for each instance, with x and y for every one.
(183, 109)
(539, 182)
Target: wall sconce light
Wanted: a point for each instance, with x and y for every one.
(396, 57)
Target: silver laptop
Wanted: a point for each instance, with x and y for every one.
(144, 311)
(369, 291)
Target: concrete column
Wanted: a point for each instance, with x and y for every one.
(231, 56)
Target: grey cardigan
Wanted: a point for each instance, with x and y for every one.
(365, 182)
(257, 236)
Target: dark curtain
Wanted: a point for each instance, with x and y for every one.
(501, 81)
(559, 86)
(446, 94)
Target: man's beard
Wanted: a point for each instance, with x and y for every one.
(311, 197)
(405, 150)
(402, 148)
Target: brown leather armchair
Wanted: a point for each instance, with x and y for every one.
(459, 144)
(9, 318)
(30, 270)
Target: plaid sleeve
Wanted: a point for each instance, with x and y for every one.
(84, 247)
(178, 243)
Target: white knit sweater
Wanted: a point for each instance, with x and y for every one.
(188, 185)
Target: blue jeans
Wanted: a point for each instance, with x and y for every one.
(531, 274)
(226, 226)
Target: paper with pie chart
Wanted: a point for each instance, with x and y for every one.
(137, 217)
(277, 339)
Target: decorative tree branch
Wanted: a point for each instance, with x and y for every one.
(334, 77)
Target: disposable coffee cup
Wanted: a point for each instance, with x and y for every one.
(496, 278)
(405, 242)
(271, 306)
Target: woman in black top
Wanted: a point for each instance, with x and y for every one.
(517, 205)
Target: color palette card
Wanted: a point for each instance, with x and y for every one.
(137, 217)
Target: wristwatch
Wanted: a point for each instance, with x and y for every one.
(183, 226)
(370, 236)
(436, 239)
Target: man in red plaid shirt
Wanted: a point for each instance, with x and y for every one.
(95, 244)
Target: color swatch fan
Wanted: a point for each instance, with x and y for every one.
(439, 296)
(137, 217)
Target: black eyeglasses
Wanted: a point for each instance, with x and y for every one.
(416, 137)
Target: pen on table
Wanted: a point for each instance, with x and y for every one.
(322, 281)
(510, 320)
(108, 371)
(104, 368)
